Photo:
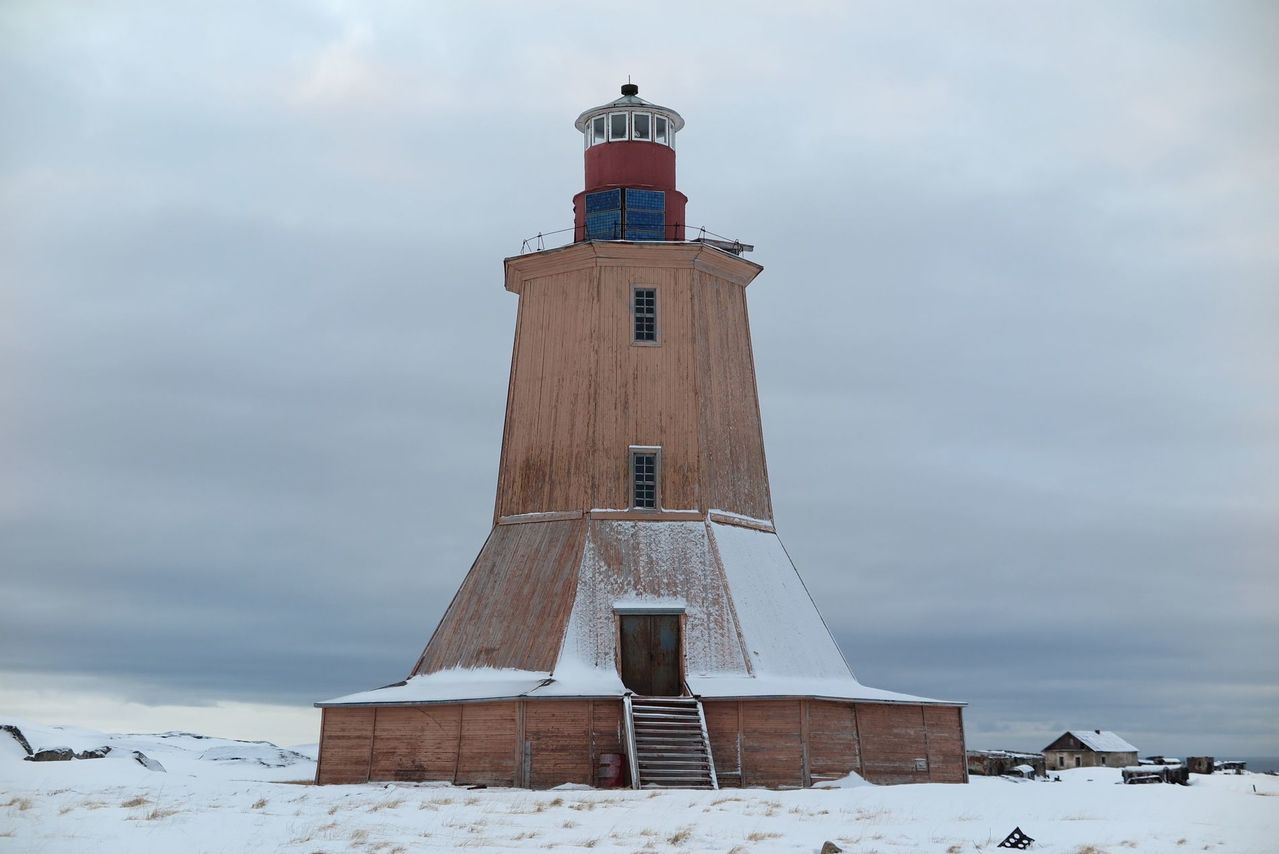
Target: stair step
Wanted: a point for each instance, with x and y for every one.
(669, 744)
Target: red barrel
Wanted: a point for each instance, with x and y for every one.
(609, 774)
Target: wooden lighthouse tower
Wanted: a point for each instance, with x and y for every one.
(633, 607)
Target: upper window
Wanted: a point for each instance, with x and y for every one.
(642, 126)
(646, 465)
(617, 126)
(644, 313)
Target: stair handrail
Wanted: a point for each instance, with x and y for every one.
(628, 721)
(706, 740)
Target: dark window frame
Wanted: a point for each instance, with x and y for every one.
(640, 454)
(655, 317)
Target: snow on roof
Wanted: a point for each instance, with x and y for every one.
(488, 683)
(783, 632)
(723, 687)
(750, 630)
(1103, 741)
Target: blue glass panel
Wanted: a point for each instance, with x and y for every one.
(649, 199)
(604, 225)
(645, 214)
(605, 200)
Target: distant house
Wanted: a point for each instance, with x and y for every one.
(1089, 748)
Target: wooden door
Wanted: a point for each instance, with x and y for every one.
(651, 654)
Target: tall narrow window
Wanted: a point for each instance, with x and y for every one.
(597, 130)
(659, 129)
(644, 312)
(646, 465)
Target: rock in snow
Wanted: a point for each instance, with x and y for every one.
(147, 762)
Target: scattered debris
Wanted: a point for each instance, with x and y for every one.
(1016, 839)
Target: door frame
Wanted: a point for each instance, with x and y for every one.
(641, 609)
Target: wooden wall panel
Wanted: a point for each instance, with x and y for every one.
(947, 759)
(645, 395)
(606, 729)
(559, 733)
(772, 747)
(415, 743)
(546, 464)
(581, 391)
(346, 743)
(892, 738)
(833, 748)
(734, 474)
(527, 571)
(488, 752)
(723, 727)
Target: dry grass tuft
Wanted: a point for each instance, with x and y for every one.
(955, 849)
(160, 812)
(136, 801)
(1089, 849)
(680, 836)
(20, 804)
(387, 805)
(359, 836)
(760, 836)
(719, 801)
(259, 803)
(568, 824)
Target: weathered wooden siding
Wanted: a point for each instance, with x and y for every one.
(581, 391)
(560, 735)
(415, 743)
(768, 743)
(734, 474)
(487, 752)
(947, 758)
(723, 726)
(546, 454)
(346, 745)
(833, 746)
(530, 573)
(645, 395)
(772, 749)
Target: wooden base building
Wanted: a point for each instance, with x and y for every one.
(633, 618)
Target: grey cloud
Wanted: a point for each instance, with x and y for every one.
(1015, 337)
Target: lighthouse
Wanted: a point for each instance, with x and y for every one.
(633, 618)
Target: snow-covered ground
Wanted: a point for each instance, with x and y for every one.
(217, 795)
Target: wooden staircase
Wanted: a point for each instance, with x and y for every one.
(668, 745)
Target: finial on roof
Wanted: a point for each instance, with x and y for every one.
(629, 88)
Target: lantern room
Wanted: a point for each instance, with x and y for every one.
(630, 191)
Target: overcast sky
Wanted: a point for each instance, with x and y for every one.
(1017, 338)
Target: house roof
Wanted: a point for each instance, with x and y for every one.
(1101, 741)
